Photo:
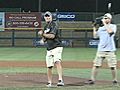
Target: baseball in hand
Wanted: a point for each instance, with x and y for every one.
(40, 32)
(41, 42)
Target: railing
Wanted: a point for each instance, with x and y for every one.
(76, 37)
(16, 34)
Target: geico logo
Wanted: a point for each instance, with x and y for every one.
(65, 16)
(93, 43)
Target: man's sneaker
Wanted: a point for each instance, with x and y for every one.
(60, 83)
(115, 83)
(49, 85)
(90, 82)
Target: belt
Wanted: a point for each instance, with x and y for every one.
(107, 51)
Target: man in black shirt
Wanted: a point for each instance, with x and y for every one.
(50, 36)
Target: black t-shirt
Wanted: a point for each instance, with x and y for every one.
(51, 28)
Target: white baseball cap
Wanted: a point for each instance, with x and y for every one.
(47, 14)
(107, 15)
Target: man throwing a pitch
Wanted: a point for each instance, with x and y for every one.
(106, 48)
(50, 36)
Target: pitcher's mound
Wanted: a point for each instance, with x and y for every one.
(35, 79)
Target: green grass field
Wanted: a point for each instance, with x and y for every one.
(38, 54)
(69, 54)
(64, 88)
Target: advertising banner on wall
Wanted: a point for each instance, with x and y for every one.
(2, 20)
(93, 43)
(23, 20)
(72, 16)
(66, 16)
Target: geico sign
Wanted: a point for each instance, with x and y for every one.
(93, 42)
(65, 16)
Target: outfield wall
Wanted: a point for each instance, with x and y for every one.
(75, 27)
(77, 33)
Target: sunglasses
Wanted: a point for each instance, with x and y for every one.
(47, 15)
(106, 18)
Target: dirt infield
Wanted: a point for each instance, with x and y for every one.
(30, 80)
(65, 64)
(35, 79)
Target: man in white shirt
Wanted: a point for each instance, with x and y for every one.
(106, 48)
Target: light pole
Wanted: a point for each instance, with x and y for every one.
(39, 5)
(96, 6)
(109, 7)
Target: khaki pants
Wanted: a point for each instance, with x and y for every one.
(109, 56)
(53, 56)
